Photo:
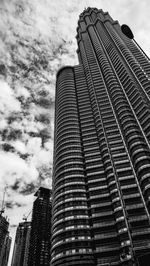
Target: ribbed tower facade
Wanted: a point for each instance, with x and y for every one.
(101, 176)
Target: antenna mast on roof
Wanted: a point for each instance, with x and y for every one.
(25, 217)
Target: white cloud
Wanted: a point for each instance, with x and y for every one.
(43, 158)
(3, 124)
(19, 146)
(8, 102)
(34, 145)
(21, 92)
(13, 168)
(49, 145)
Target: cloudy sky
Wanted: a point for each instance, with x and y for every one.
(36, 39)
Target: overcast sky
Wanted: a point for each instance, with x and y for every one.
(37, 38)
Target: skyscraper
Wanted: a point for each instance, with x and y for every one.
(40, 237)
(21, 245)
(5, 250)
(4, 234)
(101, 176)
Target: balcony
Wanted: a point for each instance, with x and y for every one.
(135, 206)
(101, 214)
(105, 235)
(142, 231)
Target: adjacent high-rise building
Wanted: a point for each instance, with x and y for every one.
(5, 250)
(40, 237)
(4, 240)
(101, 176)
(21, 245)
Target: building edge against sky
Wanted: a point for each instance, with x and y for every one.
(101, 175)
(5, 240)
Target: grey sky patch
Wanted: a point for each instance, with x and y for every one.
(13, 225)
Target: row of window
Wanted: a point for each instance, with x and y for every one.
(72, 251)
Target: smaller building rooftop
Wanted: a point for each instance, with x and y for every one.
(42, 191)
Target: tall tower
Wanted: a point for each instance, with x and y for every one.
(40, 237)
(4, 234)
(6, 251)
(101, 177)
(21, 245)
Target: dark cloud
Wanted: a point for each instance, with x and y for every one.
(11, 134)
(16, 185)
(3, 70)
(28, 189)
(11, 205)
(24, 156)
(7, 147)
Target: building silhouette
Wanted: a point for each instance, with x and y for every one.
(101, 175)
(39, 248)
(3, 230)
(21, 245)
(5, 240)
(5, 251)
